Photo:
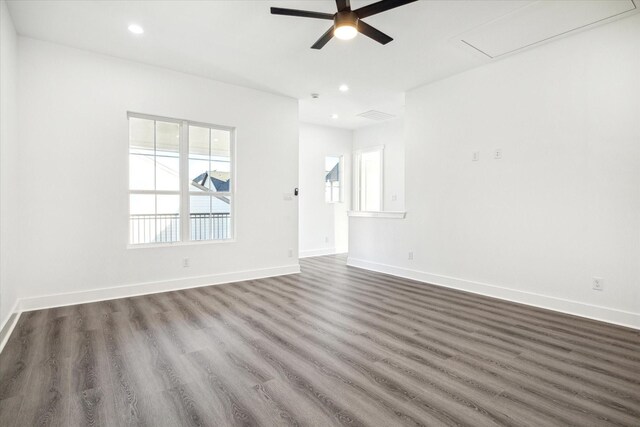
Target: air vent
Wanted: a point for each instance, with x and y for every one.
(376, 115)
(541, 21)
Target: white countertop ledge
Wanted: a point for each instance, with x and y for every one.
(378, 214)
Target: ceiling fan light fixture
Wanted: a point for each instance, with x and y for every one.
(346, 25)
(346, 22)
(345, 32)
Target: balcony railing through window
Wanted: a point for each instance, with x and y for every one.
(165, 228)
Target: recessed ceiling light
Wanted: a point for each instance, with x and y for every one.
(136, 29)
(334, 116)
(343, 88)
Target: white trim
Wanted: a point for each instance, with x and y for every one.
(9, 327)
(369, 149)
(174, 120)
(603, 314)
(124, 291)
(317, 252)
(174, 244)
(378, 214)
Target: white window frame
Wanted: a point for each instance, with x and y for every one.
(185, 192)
(340, 181)
(357, 160)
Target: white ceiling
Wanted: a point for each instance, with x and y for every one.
(240, 42)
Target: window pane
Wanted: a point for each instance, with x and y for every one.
(168, 218)
(167, 136)
(168, 171)
(142, 224)
(221, 212)
(200, 217)
(221, 143)
(220, 180)
(141, 154)
(167, 156)
(221, 159)
(210, 217)
(199, 178)
(199, 159)
(199, 141)
(209, 159)
(141, 134)
(141, 171)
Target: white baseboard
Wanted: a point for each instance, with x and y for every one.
(9, 324)
(94, 295)
(317, 252)
(604, 314)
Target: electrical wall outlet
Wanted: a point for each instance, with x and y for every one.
(410, 255)
(598, 284)
(497, 153)
(290, 253)
(185, 262)
(326, 239)
(475, 156)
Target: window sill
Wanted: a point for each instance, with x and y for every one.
(177, 244)
(378, 214)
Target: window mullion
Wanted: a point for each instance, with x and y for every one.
(185, 223)
(155, 181)
(210, 221)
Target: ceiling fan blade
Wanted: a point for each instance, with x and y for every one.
(323, 40)
(301, 13)
(343, 5)
(371, 32)
(380, 6)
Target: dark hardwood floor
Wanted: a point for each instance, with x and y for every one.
(332, 346)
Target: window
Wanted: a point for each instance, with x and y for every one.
(368, 174)
(333, 179)
(180, 181)
(209, 183)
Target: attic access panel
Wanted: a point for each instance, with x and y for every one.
(541, 21)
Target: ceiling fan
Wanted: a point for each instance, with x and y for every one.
(346, 22)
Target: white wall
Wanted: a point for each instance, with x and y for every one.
(73, 167)
(389, 134)
(8, 159)
(562, 206)
(323, 226)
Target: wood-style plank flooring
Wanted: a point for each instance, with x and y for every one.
(334, 345)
